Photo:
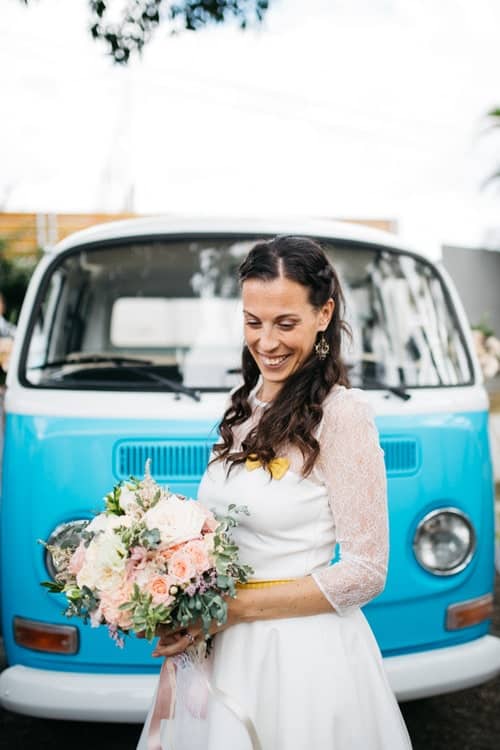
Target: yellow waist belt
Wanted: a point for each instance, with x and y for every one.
(254, 583)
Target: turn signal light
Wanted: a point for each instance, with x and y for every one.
(43, 636)
(469, 613)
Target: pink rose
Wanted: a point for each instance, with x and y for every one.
(137, 561)
(159, 588)
(181, 566)
(198, 554)
(77, 559)
(139, 555)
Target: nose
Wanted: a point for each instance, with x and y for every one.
(268, 340)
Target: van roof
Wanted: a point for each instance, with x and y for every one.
(176, 225)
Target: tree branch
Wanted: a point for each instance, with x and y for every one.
(138, 20)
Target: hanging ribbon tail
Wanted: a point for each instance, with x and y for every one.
(237, 712)
(178, 677)
(164, 704)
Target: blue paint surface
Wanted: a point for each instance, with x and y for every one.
(57, 469)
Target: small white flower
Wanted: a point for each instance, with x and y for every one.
(489, 365)
(209, 540)
(128, 499)
(492, 345)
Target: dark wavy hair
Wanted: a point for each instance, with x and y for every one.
(292, 416)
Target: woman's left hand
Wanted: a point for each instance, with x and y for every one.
(172, 642)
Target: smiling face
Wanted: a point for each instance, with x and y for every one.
(281, 327)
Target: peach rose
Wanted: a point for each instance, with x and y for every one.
(168, 552)
(197, 553)
(181, 566)
(159, 588)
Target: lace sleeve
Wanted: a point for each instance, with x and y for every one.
(351, 465)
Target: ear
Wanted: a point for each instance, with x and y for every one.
(325, 314)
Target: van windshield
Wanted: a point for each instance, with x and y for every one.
(162, 314)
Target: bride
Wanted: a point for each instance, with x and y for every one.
(296, 660)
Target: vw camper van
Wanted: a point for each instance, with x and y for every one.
(128, 344)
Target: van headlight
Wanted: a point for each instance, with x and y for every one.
(444, 541)
(66, 536)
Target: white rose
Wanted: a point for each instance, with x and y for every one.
(176, 520)
(104, 522)
(104, 564)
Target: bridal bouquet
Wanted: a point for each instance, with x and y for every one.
(151, 557)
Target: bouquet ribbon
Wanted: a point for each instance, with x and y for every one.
(164, 703)
(165, 695)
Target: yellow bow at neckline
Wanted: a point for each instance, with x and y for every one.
(277, 467)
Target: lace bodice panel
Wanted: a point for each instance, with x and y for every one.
(352, 471)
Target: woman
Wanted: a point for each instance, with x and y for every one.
(300, 449)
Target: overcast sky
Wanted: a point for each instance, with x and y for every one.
(341, 108)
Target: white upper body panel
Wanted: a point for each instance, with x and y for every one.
(29, 400)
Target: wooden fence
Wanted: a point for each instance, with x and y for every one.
(25, 233)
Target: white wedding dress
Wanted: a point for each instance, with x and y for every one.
(315, 682)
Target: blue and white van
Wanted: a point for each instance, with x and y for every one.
(128, 343)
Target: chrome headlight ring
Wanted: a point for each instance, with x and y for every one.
(68, 533)
(444, 541)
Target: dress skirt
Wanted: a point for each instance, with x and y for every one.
(306, 683)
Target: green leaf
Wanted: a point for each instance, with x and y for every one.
(53, 586)
(150, 538)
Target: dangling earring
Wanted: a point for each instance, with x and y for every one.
(322, 347)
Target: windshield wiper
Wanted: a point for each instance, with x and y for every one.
(92, 359)
(131, 364)
(397, 390)
(172, 384)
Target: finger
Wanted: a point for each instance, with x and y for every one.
(177, 646)
(192, 634)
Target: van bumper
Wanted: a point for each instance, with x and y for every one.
(81, 696)
(126, 698)
(443, 670)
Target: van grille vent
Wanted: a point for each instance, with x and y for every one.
(401, 455)
(188, 459)
(170, 459)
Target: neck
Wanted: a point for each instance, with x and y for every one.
(267, 391)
